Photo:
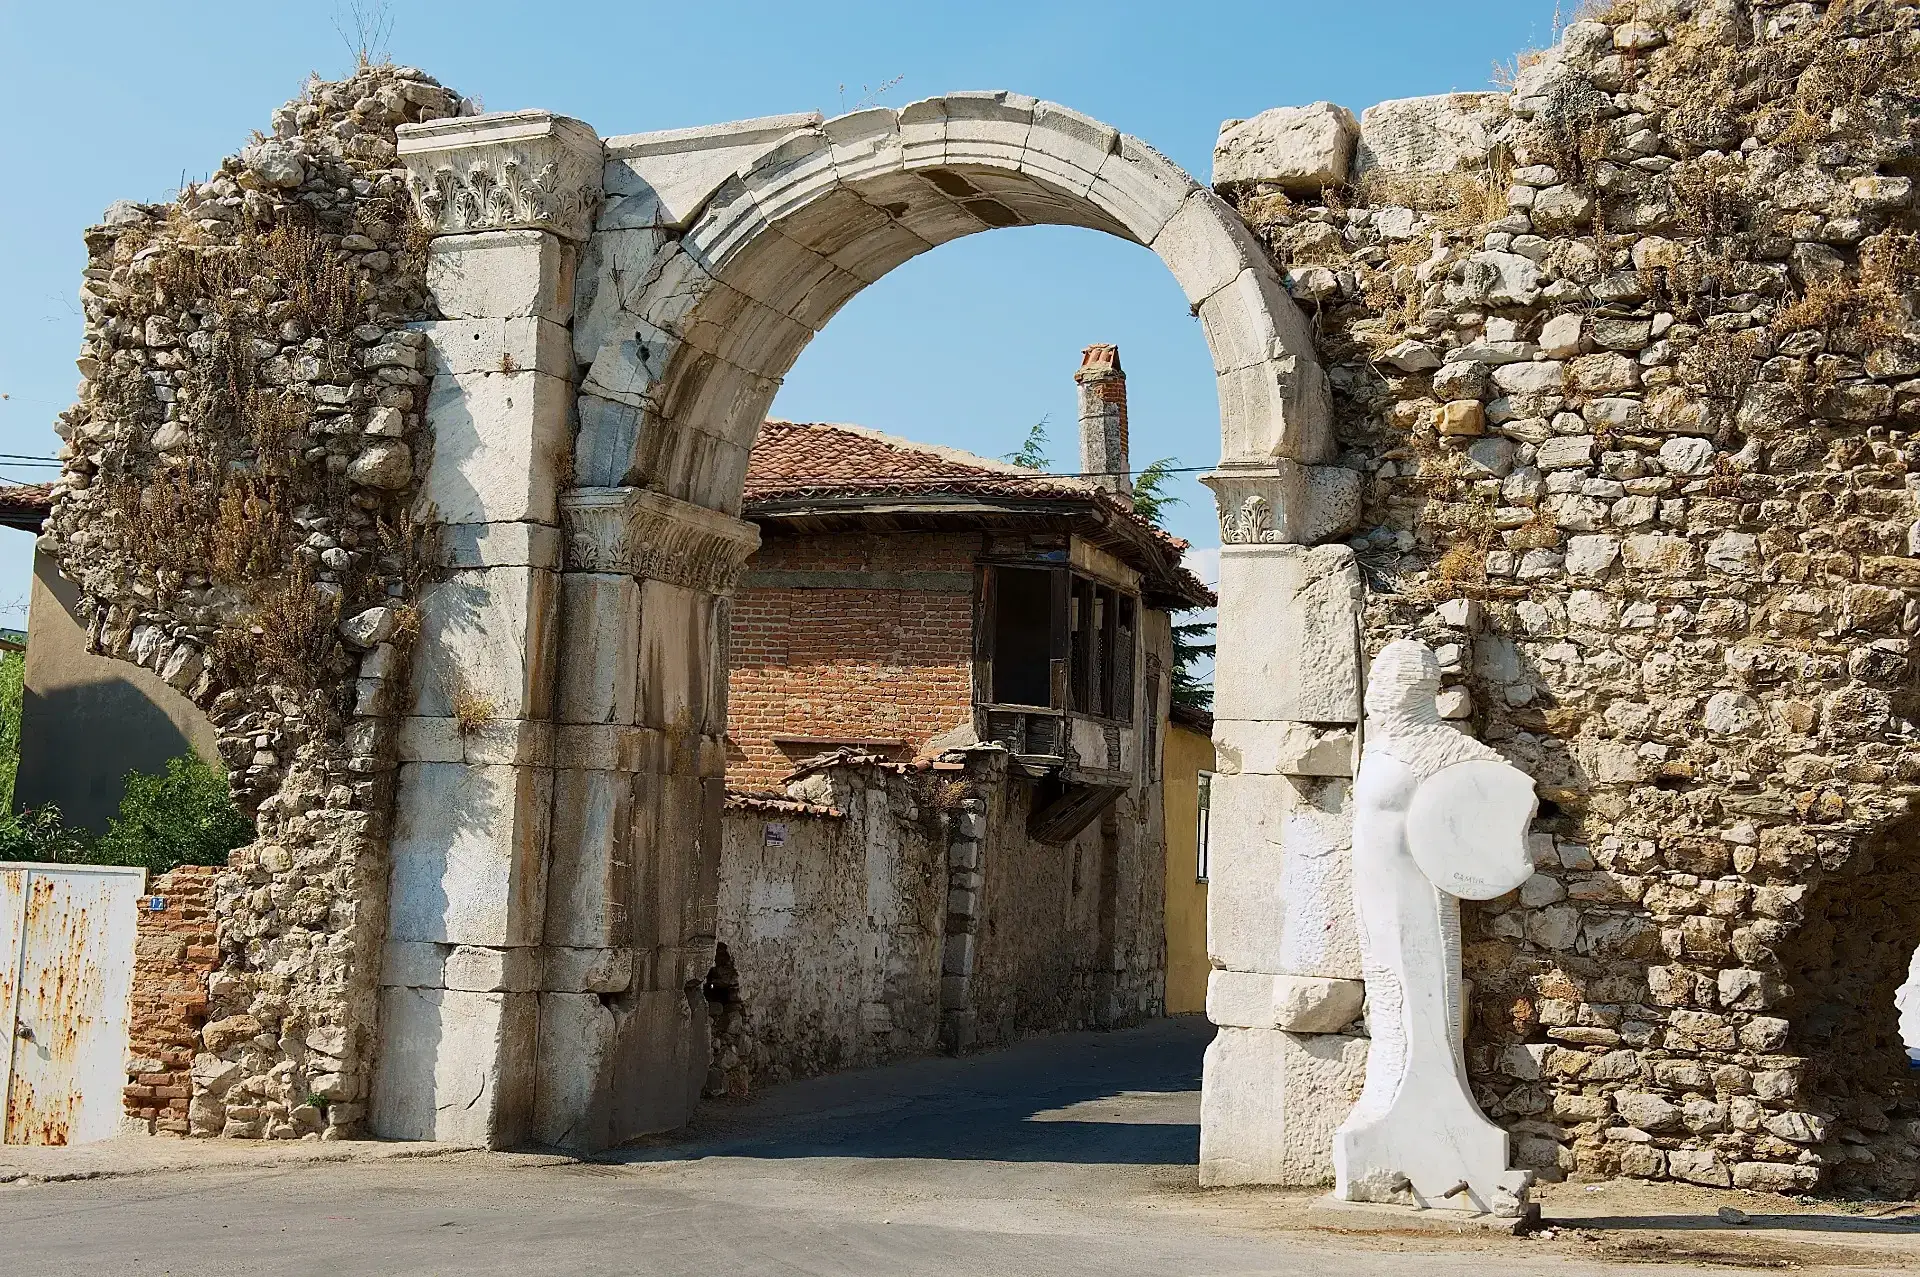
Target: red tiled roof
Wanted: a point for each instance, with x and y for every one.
(794, 460)
(26, 507)
(777, 804)
(1199, 720)
(799, 459)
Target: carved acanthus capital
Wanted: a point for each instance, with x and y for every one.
(1284, 502)
(638, 533)
(507, 171)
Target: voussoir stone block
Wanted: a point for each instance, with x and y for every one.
(1206, 246)
(1140, 188)
(1299, 148)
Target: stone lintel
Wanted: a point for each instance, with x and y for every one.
(509, 170)
(647, 534)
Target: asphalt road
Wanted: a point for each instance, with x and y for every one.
(1072, 1155)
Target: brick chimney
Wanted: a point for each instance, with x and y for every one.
(1103, 420)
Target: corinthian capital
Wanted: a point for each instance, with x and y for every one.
(506, 171)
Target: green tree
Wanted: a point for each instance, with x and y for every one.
(1033, 453)
(184, 816)
(42, 836)
(1151, 500)
(1191, 642)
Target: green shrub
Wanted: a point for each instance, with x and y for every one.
(183, 817)
(13, 667)
(42, 835)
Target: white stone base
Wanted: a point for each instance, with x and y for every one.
(1270, 1103)
(455, 1067)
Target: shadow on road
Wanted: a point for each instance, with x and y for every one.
(1126, 1098)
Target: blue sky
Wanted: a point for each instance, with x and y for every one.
(967, 346)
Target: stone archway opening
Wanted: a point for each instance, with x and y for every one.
(634, 304)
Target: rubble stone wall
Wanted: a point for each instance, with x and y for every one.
(1627, 357)
(886, 910)
(236, 511)
(833, 923)
(1069, 935)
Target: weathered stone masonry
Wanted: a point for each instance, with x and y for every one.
(1622, 389)
(238, 475)
(1628, 356)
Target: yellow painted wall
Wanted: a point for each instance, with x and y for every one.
(1188, 754)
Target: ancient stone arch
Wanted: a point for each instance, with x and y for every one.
(618, 315)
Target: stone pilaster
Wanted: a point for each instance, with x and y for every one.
(1286, 981)
(509, 197)
(640, 721)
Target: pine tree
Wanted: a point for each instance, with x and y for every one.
(1193, 640)
(1033, 453)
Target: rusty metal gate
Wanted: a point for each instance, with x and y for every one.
(66, 970)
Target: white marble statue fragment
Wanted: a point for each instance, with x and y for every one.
(1906, 999)
(1438, 817)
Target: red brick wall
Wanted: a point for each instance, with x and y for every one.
(847, 663)
(173, 954)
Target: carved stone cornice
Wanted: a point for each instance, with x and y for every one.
(637, 533)
(1284, 503)
(506, 171)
